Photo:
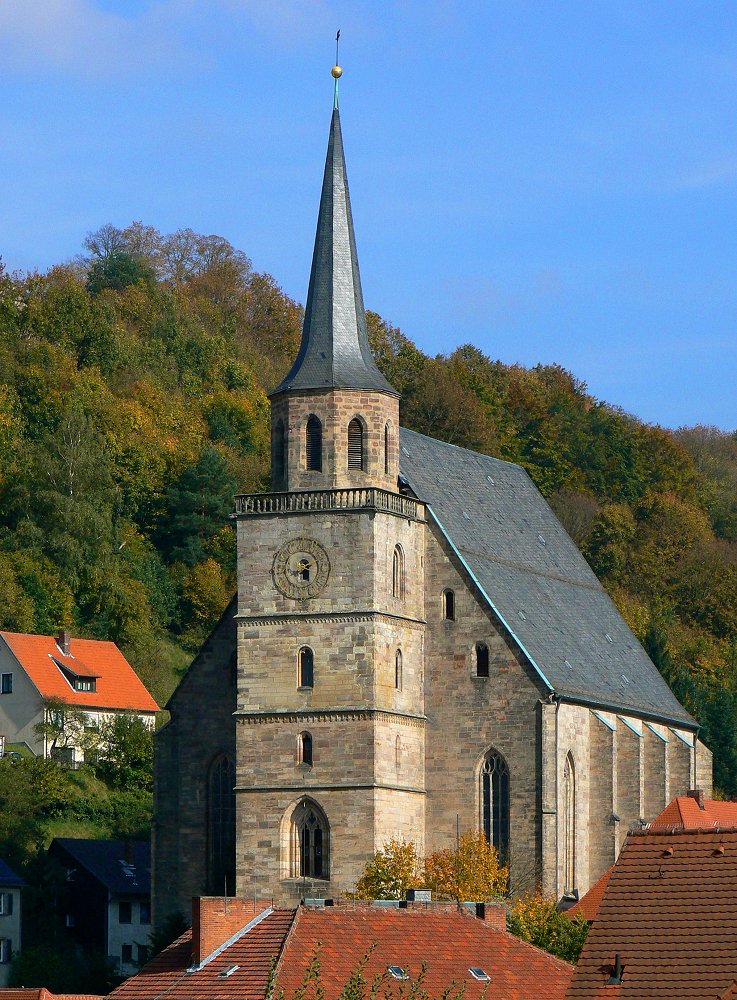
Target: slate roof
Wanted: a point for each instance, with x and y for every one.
(448, 943)
(335, 349)
(535, 579)
(107, 861)
(8, 878)
(668, 912)
(117, 686)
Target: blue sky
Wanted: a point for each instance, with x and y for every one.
(553, 181)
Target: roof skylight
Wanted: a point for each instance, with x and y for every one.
(397, 972)
(478, 973)
(228, 972)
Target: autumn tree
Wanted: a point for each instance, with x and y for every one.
(390, 872)
(536, 919)
(470, 871)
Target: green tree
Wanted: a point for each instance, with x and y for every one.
(126, 752)
(390, 872)
(536, 919)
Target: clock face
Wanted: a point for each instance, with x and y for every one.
(301, 569)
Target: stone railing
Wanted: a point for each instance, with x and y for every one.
(302, 501)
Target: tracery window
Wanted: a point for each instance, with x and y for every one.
(569, 824)
(355, 444)
(221, 826)
(495, 802)
(482, 659)
(304, 748)
(310, 841)
(449, 605)
(279, 451)
(306, 662)
(398, 670)
(313, 444)
(398, 572)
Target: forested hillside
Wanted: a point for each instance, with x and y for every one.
(133, 405)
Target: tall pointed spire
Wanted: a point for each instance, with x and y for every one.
(335, 351)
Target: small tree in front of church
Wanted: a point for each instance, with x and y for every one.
(392, 870)
(536, 919)
(470, 871)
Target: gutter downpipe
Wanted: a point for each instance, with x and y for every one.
(556, 699)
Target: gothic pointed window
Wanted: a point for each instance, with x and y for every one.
(313, 444)
(221, 826)
(449, 605)
(569, 825)
(398, 573)
(355, 445)
(279, 452)
(398, 670)
(306, 665)
(310, 841)
(495, 802)
(304, 749)
(482, 659)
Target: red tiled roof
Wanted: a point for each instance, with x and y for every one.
(668, 912)
(588, 906)
(448, 943)
(252, 953)
(43, 994)
(684, 811)
(118, 685)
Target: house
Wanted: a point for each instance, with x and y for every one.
(108, 902)
(666, 924)
(10, 918)
(26, 993)
(90, 676)
(233, 943)
(694, 811)
(416, 645)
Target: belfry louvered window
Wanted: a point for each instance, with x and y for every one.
(386, 449)
(313, 444)
(495, 802)
(355, 444)
(221, 826)
(306, 667)
(278, 446)
(398, 573)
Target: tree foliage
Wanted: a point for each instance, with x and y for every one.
(470, 871)
(392, 870)
(537, 920)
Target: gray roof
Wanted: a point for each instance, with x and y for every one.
(8, 878)
(124, 868)
(535, 579)
(335, 351)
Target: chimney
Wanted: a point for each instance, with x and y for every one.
(63, 641)
(215, 919)
(494, 915)
(698, 794)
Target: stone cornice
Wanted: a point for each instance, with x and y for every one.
(245, 717)
(347, 787)
(372, 614)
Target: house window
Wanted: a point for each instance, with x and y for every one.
(314, 444)
(398, 670)
(449, 605)
(126, 954)
(355, 444)
(386, 449)
(306, 667)
(304, 749)
(310, 841)
(569, 827)
(221, 825)
(398, 573)
(482, 659)
(6, 950)
(495, 802)
(142, 954)
(279, 451)
(145, 911)
(125, 911)
(84, 684)
(6, 684)
(6, 904)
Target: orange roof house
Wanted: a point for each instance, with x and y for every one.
(231, 948)
(87, 673)
(588, 905)
(666, 926)
(694, 812)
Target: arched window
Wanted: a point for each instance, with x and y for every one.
(355, 444)
(279, 452)
(398, 670)
(313, 444)
(304, 749)
(449, 605)
(398, 751)
(386, 449)
(310, 841)
(569, 825)
(398, 573)
(495, 802)
(306, 667)
(221, 826)
(482, 659)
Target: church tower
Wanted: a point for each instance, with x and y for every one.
(330, 714)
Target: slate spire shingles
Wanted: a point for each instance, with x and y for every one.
(335, 350)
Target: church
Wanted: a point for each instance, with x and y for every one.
(416, 647)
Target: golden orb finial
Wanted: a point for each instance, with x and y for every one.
(336, 72)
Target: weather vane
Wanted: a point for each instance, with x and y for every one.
(336, 72)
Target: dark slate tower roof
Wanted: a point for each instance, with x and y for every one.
(535, 580)
(335, 352)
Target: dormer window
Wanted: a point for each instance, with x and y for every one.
(76, 680)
